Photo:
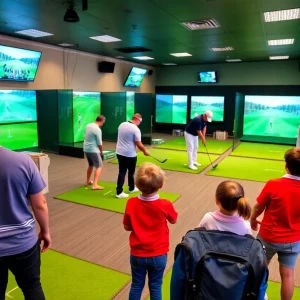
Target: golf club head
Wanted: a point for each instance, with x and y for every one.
(215, 166)
(163, 161)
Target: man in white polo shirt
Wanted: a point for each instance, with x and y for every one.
(129, 137)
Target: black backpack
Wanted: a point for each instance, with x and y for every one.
(219, 265)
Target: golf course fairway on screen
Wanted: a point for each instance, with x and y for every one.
(129, 105)
(171, 109)
(86, 108)
(277, 116)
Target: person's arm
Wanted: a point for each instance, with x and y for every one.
(40, 210)
(142, 148)
(127, 228)
(99, 141)
(126, 219)
(204, 131)
(201, 136)
(171, 214)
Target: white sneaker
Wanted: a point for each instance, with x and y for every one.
(122, 195)
(134, 190)
(197, 164)
(193, 167)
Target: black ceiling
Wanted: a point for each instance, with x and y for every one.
(156, 25)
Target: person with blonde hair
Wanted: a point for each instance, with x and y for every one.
(146, 217)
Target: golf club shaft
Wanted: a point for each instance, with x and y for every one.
(208, 155)
(156, 158)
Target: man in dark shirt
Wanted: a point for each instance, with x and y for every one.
(196, 128)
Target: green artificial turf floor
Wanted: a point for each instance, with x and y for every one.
(177, 160)
(67, 278)
(258, 150)
(213, 146)
(105, 199)
(248, 169)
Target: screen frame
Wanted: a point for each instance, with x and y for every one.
(1, 79)
(216, 76)
(129, 75)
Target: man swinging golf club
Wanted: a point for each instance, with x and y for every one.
(194, 130)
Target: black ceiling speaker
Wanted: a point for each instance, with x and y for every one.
(150, 72)
(84, 5)
(106, 67)
(71, 16)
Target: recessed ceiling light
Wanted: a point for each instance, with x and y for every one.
(202, 24)
(222, 49)
(119, 57)
(234, 60)
(279, 57)
(143, 57)
(34, 33)
(281, 42)
(105, 38)
(169, 64)
(66, 45)
(282, 15)
(181, 54)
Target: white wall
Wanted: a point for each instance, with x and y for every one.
(57, 66)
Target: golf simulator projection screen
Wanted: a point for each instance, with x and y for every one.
(200, 104)
(275, 116)
(18, 64)
(86, 108)
(135, 77)
(207, 77)
(129, 105)
(171, 109)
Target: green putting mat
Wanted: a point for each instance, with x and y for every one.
(248, 169)
(105, 199)
(213, 146)
(68, 278)
(177, 160)
(268, 151)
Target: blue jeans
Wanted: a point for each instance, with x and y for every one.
(155, 267)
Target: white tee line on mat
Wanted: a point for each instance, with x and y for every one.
(106, 193)
(8, 293)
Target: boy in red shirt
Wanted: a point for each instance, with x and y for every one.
(280, 226)
(146, 217)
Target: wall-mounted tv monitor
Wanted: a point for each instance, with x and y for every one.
(18, 64)
(200, 104)
(276, 116)
(19, 136)
(171, 109)
(17, 106)
(135, 77)
(86, 108)
(207, 77)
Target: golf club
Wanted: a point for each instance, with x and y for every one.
(213, 166)
(161, 161)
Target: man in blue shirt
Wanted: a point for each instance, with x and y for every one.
(21, 183)
(92, 148)
(194, 130)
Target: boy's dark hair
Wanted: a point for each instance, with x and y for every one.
(100, 119)
(292, 159)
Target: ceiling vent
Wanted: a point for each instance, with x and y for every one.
(202, 24)
(133, 49)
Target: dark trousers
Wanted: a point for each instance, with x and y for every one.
(126, 163)
(26, 269)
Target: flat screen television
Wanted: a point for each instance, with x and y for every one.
(18, 64)
(207, 77)
(135, 77)
(17, 106)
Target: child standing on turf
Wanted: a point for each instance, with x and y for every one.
(146, 217)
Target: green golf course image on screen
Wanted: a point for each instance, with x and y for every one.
(19, 136)
(129, 105)
(86, 108)
(135, 77)
(18, 64)
(200, 104)
(17, 106)
(276, 116)
(171, 109)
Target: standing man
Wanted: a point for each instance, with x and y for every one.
(79, 121)
(92, 148)
(129, 137)
(194, 130)
(20, 183)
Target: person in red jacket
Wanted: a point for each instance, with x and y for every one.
(146, 217)
(280, 226)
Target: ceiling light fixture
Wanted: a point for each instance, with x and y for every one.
(279, 57)
(120, 57)
(282, 15)
(234, 60)
(105, 38)
(181, 54)
(34, 33)
(222, 49)
(65, 45)
(169, 64)
(143, 57)
(202, 24)
(281, 42)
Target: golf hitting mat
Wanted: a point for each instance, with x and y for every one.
(257, 150)
(213, 146)
(106, 198)
(176, 160)
(68, 278)
(248, 169)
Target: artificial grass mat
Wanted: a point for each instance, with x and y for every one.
(68, 278)
(258, 150)
(213, 146)
(177, 160)
(248, 169)
(105, 199)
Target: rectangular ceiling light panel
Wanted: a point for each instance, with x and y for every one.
(279, 57)
(169, 64)
(34, 33)
(181, 54)
(105, 38)
(143, 57)
(202, 24)
(281, 42)
(222, 49)
(65, 45)
(282, 15)
(234, 60)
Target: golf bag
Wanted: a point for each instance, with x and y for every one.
(219, 265)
